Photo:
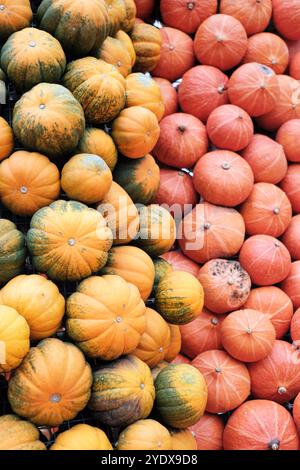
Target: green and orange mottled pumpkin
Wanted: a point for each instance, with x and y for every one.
(142, 90)
(12, 250)
(175, 343)
(129, 21)
(145, 434)
(6, 139)
(113, 51)
(17, 434)
(98, 142)
(147, 42)
(14, 15)
(161, 267)
(82, 437)
(116, 13)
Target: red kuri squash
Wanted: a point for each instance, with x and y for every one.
(295, 67)
(288, 136)
(254, 15)
(291, 186)
(180, 262)
(268, 49)
(295, 327)
(187, 15)
(208, 432)
(291, 238)
(296, 411)
(291, 284)
(169, 95)
(144, 8)
(286, 17)
(176, 192)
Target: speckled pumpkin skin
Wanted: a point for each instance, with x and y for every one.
(16, 434)
(12, 250)
(162, 267)
(6, 139)
(147, 41)
(125, 39)
(82, 437)
(15, 15)
(98, 142)
(113, 51)
(142, 90)
(117, 15)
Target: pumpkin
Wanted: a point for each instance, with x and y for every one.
(12, 250)
(260, 425)
(230, 127)
(157, 232)
(130, 15)
(142, 90)
(116, 14)
(226, 285)
(180, 359)
(14, 338)
(202, 334)
(228, 380)
(268, 49)
(254, 15)
(68, 241)
(32, 56)
(187, 16)
(145, 434)
(161, 268)
(78, 27)
(296, 411)
(266, 158)
(156, 370)
(286, 18)
(290, 185)
(6, 139)
(291, 236)
(123, 392)
(133, 265)
(295, 326)
(86, 178)
(177, 54)
(181, 395)
(267, 210)
(16, 434)
(169, 95)
(183, 439)
(125, 39)
(182, 141)
(179, 297)
(147, 43)
(49, 120)
(82, 437)
(144, 8)
(179, 262)
(294, 68)
(208, 432)
(139, 177)
(211, 232)
(98, 142)
(38, 300)
(100, 323)
(203, 89)
(277, 377)
(155, 340)
(291, 284)
(98, 87)
(175, 343)
(266, 260)
(14, 15)
(52, 384)
(275, 304)
(223, 178)
(293, 47)
(28, 181)
(120, 214)
(113, 51)
(288, 136)
(135, 131)
(220, 41)
(176, 191)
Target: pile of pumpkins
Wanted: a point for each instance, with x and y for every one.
(160, 173)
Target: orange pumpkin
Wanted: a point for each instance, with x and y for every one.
(16, 434)
(288, 136)
(98, 142)
(6, 139)
(14, 15)
(176, 191)
(169, 95)
(145, 434)
(141, 90)
(125, 39)
(268, 49)
(179, 262)
(147, 43)
(291, 236)
(291, 284)
(208, 432)
(286, 17)
(294, 68)
(175, 343)
(144, 8)
(82, 437)
(113, 51)
(291, 186)
(296, 411)
(180, 359)
(130, 15)
(254, 15)
(295, 327)
(187, 16)
(183, 439)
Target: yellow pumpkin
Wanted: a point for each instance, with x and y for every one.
(6, 139)
(142, 90)
(113, 51)
(183, 439)
(175, 343)
(122, 36)
(145, 434)
(16, 434)
(82, 437)
(98, 142)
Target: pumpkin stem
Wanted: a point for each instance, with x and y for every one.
(221, 89)
(276, 210)
(190, 5)
(218, 370)
(207, 226)
(219, 38)
(274, 444)
(182, 128)
(226, 166)
(249, 331)
(282, 390)
(214, 321)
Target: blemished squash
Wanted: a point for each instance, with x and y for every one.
(14, 15)
(135, 131)
(123, 392)
(139, 177)
(28, 181)
(181, 395)
(38, 300)
(254, 15)
(113, 51)
(175, 343)
(82, 437)
(52, 384)
(17, 434)
(179, 262)
(142, 90)
(6, 139)
(98, 86)
(102, 323)
(125, 39)
(187, 16)
(208, 432)
(85, 177)
(268, 49)
(12, 250)
(147, 43)
(291, 284)
(79, 27)
(295, 326)
(161, 268)
(68, 240)
(183, 439)
(32, 56)
(288, 136)
(286, 17)
(290, 185)
(98, 142)
(145, 434)
(116, 14)
(133, 265)
(14, 338)
(49, 120)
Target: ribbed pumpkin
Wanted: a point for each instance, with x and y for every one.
(254, 15)
(6, 139)
(123, 392)
(180, 359)
(208, 432)
(266, 158)
(12, 250)
(291, 236)
(38, 300)
(32, 56)
(2, 75)
(130, 15)
(16, 434)
(295, 326)
(133, 265)
(52, 384)
(286, 17)
(179, 297)
(147, 43)
(48, 119)
(182, 141)
(291, 284)
(291, 186)
(68, 241)
(142, 90)
(120, 214)
(78, 27)
(82, 437)
(28, 181)
(203, 89)
(15, 15)
(288, 136)
(169, 95)
(268, 49)
(187, 16)
(135, 131)
(211, 232)
(223, 178)
(125, 39)
(116, 14)
(226, 285)
(260, 425)
(14, 338)
(228, 380)
(98, 142)
(144, 8)
(183, 439)
(220, 41)
(275, 304)
(86, 178)
(113, 51)
(179, 262)
(296, 411)
(161, 267)
(139, 177)
(177, 54)
(176, 191)
(294, 68)
(102, 324)
(145, 434)
(99, 88)
(266, 260)
(175, 343)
